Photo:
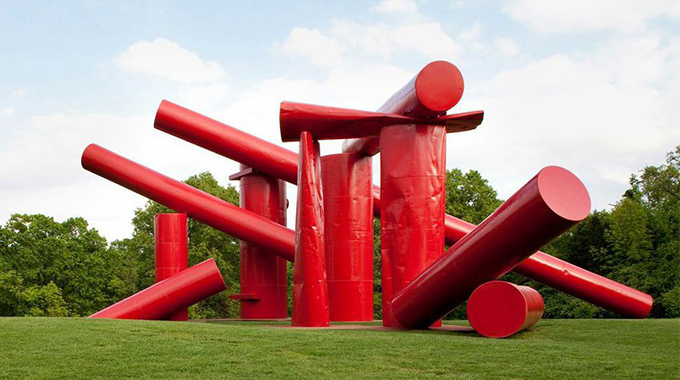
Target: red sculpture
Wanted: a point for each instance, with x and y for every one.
(171, 250)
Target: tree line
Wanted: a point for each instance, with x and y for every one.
(50, 268)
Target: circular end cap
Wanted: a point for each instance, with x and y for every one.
(564, 193)
(497, 309)
(439, 86)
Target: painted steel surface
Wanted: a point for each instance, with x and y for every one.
(282, 163)
(205, 208)
(433, 91)
(167, 297)
(328, 123)
(548, 205)
(310, 291)
(263, 279)
(348, 209)
(412, 208)
(498, 309)
(171, 247)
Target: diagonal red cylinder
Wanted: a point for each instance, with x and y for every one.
(205, 208)
(548, 205)
(279, 162)
(169, 296)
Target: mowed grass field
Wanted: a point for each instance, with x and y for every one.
(73, 348)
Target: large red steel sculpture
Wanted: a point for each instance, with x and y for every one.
(171, 247)
(332, 244)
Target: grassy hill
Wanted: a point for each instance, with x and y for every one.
(67, 348)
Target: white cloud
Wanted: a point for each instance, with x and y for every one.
(7, 111)
(507, 46)
(19, 92)
(396, 6)
(578, 16)
(166, 59)
(603, 115)
(310, 43)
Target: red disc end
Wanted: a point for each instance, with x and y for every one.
(564, 193)
(439, 86)
(497, 309)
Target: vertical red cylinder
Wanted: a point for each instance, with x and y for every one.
(498, 309)
(171, 250)
(548, 205)
(348, 210)
(263, 276)
(167, 297)
(310, 291)
(412, 206)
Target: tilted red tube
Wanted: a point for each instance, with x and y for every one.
(169, 296)
(348, 204)
(171, 249)
(548, 205)
(263, 277)
(216, 213)
(282, 163)
(498, 309)
(310, 291)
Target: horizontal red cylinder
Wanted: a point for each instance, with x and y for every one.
(330, 123)
(498, 309)
(221, 215)
(545, 207)
(169, 296)
(282, 163)
(433, 91)
(171, 249)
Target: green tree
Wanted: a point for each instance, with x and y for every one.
(469, 196)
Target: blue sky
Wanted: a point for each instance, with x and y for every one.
(592, 86)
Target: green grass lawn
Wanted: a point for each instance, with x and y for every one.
(68, 348)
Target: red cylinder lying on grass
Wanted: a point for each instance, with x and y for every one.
(310, 291)
(548, 205)
(498, 309)
(169, 296)
(282, 163)
(205, 208)
(348, 209)
(263, 276)
(171, 247)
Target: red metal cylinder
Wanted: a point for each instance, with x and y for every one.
(221, 215)
(433, 91)
(348, 210)
(548, 205)
(169, 296)
(413, 202)
(498, 309)
(263, 278)
(171, 245)
(310, 291)
(282, 163)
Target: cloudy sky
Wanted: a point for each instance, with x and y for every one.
(590, 85)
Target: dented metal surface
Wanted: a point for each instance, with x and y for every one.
(348, 209)
(499, 309)
(169, 296)
(263, 276)
(310, 291)
(171, 247)
(548, 205)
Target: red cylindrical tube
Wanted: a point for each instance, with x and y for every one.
(282, 163)
(498, 309)
(171, 247)
(263, 279)
(310, 291)
(433, 91)
(413, 201)
(548, 205)
(348, 209)
(216, 213)
(169, 296)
